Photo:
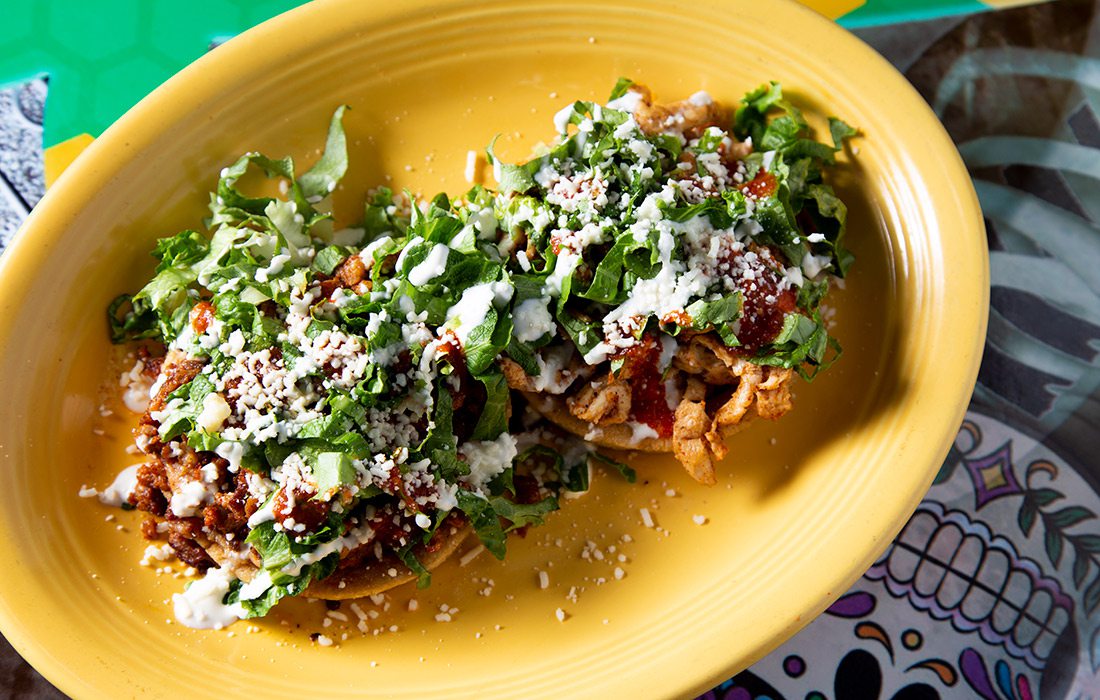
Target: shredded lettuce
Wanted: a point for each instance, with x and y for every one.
(282, 587)
(426, 293)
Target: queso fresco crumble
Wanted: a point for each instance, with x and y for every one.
(331, 412)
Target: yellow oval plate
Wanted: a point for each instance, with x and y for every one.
(803, 506)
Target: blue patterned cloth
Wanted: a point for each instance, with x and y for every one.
(21, 185)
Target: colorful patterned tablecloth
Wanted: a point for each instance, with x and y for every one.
(992, 590)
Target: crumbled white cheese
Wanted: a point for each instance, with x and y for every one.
(154, 553)
(701, 99)
(467, 558)
(471, 165)
(488, 458)
(136, 386)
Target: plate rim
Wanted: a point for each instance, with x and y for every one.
(120, 143)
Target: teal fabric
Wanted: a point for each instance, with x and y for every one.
(877, 12)
(103, 56)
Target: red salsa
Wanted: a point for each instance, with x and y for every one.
(202, 315)
(647, 388)
(761, 186)
(763, 305)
